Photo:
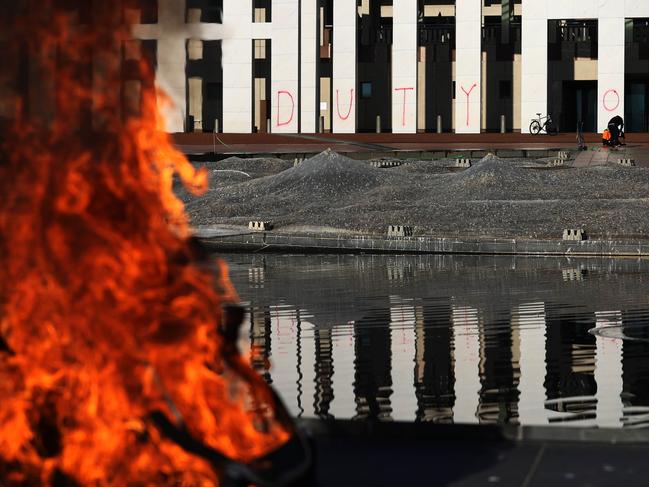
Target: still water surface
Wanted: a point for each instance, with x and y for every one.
(451, 339)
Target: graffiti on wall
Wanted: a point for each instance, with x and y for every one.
(611, 100)
(468, 96)
(405, 91)
(287, 119)
(351, 104)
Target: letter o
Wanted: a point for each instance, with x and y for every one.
(607, 107)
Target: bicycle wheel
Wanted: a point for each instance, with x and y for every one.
(551, 128)
(535, 127)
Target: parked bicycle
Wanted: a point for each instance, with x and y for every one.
(543, 124)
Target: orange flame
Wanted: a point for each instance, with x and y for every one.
(106, 311)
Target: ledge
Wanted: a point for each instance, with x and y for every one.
(349, 244)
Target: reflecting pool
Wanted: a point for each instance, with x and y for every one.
(451, 339)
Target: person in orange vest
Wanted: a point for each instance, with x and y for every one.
(606, 138)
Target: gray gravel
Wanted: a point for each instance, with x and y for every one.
(495, 197)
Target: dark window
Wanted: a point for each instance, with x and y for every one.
(505, 89)
(213, 91)
(366, 90)
(211, 10)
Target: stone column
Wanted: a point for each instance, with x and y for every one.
(610, 65)
(534, 62)
(170, 72)
(404, 67)
(284, 67)
(344, 67)
(468, 46)
(309, 57)
(237, 66)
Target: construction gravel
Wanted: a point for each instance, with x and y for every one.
(494, 198)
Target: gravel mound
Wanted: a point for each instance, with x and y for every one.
(495, 197)
(256, 167)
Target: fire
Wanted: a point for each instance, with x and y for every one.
(108, 313)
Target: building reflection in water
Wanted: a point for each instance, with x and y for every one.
(437, 359)
(570, 375)
(434, 374)
(373, 365)
(261, 340)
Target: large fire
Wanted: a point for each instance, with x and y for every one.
(108, 313)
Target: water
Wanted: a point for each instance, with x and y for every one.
(532, 341)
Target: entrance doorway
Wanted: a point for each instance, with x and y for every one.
(637, 106)
(579, 104)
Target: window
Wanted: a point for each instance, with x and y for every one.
(213, 91)
(366, 90)
(505, 89)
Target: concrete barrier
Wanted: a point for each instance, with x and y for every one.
(463, 163)
(399, 231)
(557, 163)
(626, 162)
(574, 234)
(260, 226)
(564, 155)
(386, 164)
(322, 243)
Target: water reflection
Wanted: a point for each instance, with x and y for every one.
(452, 339)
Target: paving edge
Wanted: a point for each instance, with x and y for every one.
(473, 433)
(326, 243)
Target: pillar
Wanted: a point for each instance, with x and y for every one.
(309, 56)
(404, 67)
(285, 67)
(534, 62)
(237, 66)
(468, 46)
(610, 65)
(344, 67)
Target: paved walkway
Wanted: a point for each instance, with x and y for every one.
(194, 143)
(600, 156)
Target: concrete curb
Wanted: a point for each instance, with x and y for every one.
(467, 432)
(323, 243)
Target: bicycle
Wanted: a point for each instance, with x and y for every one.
(538, 125)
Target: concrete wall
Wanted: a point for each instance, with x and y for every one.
(404, 67)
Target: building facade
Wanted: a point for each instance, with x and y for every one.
(400, 66)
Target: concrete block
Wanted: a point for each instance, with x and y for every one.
(399, 231)
(386, 164)
(574, 234)
(260, 226)
(573, 274)
(465, 163)
(557, 163)
(626, 162)
(256, 277)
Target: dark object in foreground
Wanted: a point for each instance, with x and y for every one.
(289, 466)
(355, 453)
